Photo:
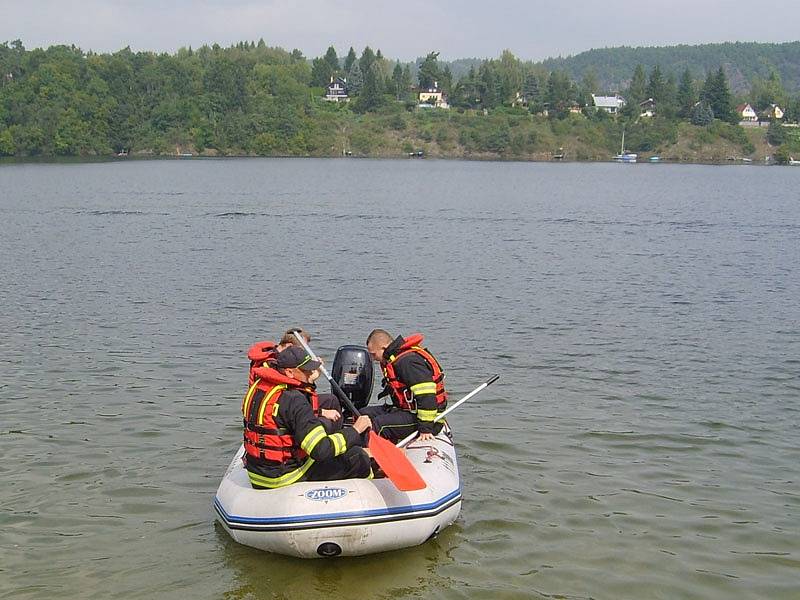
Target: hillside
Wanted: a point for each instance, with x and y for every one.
(743, 61)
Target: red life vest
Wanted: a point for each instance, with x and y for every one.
(400, 393)
(263, 438)
(260, 354)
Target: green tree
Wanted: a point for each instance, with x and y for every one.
(702, 114)
(763, 92)
(355, 80)
(637, 91)
(717, 95)
(366, 61)
(429, 72)
(332, 60)
(350, 60)
(656, 86)
(686, 96)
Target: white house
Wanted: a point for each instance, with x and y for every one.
(433, 97)
(610, 104)
(336, 90)
(746, 113)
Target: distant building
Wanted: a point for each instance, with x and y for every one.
(610, 104)
(746, 113)
(772, 113)
(432, 97)
(519, 100)
(647, 108)
(575, 109)
(336, 90)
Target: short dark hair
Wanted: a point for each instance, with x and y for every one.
(381, 335)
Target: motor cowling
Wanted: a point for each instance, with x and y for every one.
(352, 370)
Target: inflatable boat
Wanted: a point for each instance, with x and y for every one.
(347, 517)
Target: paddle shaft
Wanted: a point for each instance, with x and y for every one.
(450, 409)
(334, 386)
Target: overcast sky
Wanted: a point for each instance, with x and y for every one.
(403, 29)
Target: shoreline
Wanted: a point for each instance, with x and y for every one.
(32, 160)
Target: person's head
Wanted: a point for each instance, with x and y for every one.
(377, 341)
(295, 363)
(288, 338)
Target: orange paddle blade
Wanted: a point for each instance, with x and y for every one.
(395, 464)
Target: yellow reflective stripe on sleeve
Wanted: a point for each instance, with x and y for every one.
(286, 479)
(339, 443)
(426, 387)
(314, 437)
(426, 415)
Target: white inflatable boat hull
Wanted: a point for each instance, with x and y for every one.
(346, 517)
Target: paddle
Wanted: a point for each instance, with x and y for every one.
(391, 459)
(443, 414)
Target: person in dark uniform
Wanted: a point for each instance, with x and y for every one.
(414, 381)
(285, 441)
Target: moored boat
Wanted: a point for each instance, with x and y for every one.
(347, 517)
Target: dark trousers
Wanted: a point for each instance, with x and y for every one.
(393, 423)
(353, 464)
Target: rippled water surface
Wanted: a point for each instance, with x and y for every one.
(641, 443)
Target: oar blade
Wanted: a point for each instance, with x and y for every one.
(395, 464)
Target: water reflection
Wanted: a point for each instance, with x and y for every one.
(403, 573)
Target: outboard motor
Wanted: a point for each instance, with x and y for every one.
(352, 370)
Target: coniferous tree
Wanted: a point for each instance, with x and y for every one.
(656, 86)
(366, 61)
(355, 80)
(407, 81)
(372, 92)
(588, 87)
(638, 88)
(397, 81)
(332, 61)
(687, 96)
(349, 60)
(429, 73)
(717, 95)
(702, 114)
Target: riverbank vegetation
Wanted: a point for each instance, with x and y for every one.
(252, 99)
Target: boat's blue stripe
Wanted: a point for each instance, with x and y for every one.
(389, 510)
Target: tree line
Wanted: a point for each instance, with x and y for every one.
(255, 99)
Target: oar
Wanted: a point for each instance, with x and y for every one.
(391, 459)
(450, 409)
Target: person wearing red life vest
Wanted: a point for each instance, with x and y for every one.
(262, 353)
(414, 381)
(284, 440)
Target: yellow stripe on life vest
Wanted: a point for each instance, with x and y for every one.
(248, 398)
(276, 390)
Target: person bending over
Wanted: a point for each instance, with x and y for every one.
(414, 381)
(285, 441)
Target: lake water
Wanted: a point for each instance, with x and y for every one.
(642, 441)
